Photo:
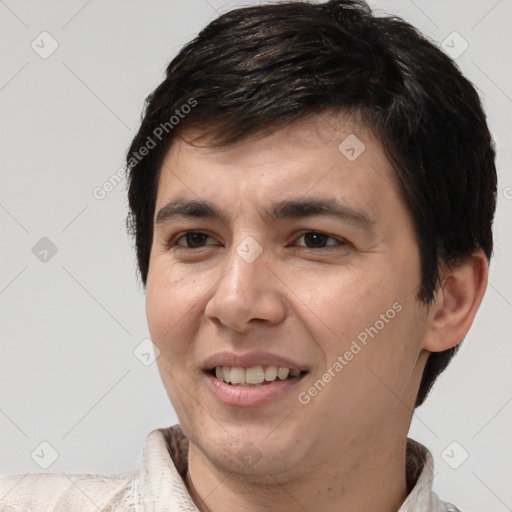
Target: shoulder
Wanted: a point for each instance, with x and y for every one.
(157, 480)
(62, 492)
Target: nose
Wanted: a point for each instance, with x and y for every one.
(247, 295)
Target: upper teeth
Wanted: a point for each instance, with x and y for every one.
(253, 375)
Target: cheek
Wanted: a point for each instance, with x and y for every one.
(371, 321)
(171, 299)
(172, 307)
(344, 303)
(160, 310)
(378, 358)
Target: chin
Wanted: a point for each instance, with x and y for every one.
(251, 465)
(250, 454)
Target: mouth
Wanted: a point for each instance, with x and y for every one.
(254, 376)
(252, 379)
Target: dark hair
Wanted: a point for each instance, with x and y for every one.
(254, 70)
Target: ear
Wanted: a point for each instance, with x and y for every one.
(456, 302)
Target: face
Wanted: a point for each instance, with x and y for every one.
(281, 294)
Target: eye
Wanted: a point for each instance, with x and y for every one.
(191, 240)
(319, 240)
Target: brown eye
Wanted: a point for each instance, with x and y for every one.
(318, 240)
(191, 239)
(313, 239)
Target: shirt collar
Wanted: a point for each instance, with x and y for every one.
(164, 465)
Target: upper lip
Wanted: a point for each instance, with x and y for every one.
(249, 360)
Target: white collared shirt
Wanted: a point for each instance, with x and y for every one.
(159, 486)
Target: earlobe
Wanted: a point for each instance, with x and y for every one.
(456, 302)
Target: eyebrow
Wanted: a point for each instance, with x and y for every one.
(189, 208)
(293, 208)
(319, 207)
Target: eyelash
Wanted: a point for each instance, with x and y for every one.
(173, 244)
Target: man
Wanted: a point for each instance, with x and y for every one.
(313, 252)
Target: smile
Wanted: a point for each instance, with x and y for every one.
(253, 376)
(252, 379)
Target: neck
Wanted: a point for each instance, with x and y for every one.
(371, 479)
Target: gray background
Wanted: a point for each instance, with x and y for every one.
(70, 324)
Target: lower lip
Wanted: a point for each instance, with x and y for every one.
(250, 396)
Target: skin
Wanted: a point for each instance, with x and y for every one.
(345, 448)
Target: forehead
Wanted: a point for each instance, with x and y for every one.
(324, 155)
